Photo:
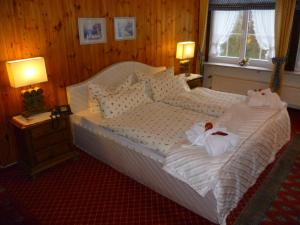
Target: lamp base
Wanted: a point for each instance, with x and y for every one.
(185, 67)
(33, 101)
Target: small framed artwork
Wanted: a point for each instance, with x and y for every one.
(92, 30)
(125, 28)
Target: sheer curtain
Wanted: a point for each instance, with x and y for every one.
(223, 24)
(264, 26)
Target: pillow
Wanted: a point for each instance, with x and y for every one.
(147, 77)
(131, 79)
(96, 90)
(116, 104)
(167, 87)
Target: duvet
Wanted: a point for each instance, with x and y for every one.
(204, 100)
(156, 125)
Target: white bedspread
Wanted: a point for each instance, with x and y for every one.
(262, 131)
(157, 125)
(204, 100)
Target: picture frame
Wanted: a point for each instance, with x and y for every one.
(92, 30)
(125, 28)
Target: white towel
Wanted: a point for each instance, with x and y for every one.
(217, 144)
(259, 98)
(213, 144)
(196, 134)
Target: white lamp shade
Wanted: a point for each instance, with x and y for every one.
(185, 50)
(26, 72)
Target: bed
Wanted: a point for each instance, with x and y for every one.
(104, 140)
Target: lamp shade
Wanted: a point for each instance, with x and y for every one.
(185, 50)
(26, 71)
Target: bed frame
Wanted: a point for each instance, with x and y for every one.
(141, 168)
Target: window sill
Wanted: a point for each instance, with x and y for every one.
(256, 68)
(238, 66)
(294, 72)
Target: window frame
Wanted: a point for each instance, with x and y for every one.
(243, 48)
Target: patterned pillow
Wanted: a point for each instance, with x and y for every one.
(116, 104)
(167, 87)
(96, 90)
(147, 77)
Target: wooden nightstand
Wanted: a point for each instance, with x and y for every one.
(194, 80)
(42, 142)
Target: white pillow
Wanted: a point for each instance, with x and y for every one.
(97, 90)
(116, 104)
(141, 76)
(167, 86)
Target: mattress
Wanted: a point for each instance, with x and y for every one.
(91, 121)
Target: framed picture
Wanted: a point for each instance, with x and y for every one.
(124, 28)
(92, 30)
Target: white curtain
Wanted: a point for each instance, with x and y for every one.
(223, 24)
(264, 26)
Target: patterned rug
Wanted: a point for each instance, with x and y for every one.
(89, 192)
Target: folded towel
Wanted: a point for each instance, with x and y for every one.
(218, 144)
(216, 140)
(259, 98)
(196, 134)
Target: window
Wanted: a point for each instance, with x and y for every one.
(236, 35)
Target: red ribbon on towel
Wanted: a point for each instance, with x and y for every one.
(220, 133)
(209, 126)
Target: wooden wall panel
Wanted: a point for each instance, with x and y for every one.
(49, 28)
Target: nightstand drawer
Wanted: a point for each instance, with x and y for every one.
(194, 83)
(52, 152)
(51, 139)
(44, 143)
(48, 128)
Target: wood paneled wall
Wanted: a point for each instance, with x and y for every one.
(48, 28)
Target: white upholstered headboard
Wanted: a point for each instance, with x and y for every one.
(111, 76)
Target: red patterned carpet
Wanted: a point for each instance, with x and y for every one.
(89, 192)
(286, 207)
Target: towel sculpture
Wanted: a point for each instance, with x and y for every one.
(216, 140)
(260, 98)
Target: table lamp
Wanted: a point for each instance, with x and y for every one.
(26, 72)
(185, 52)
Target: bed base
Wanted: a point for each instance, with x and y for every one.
(145, 171)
